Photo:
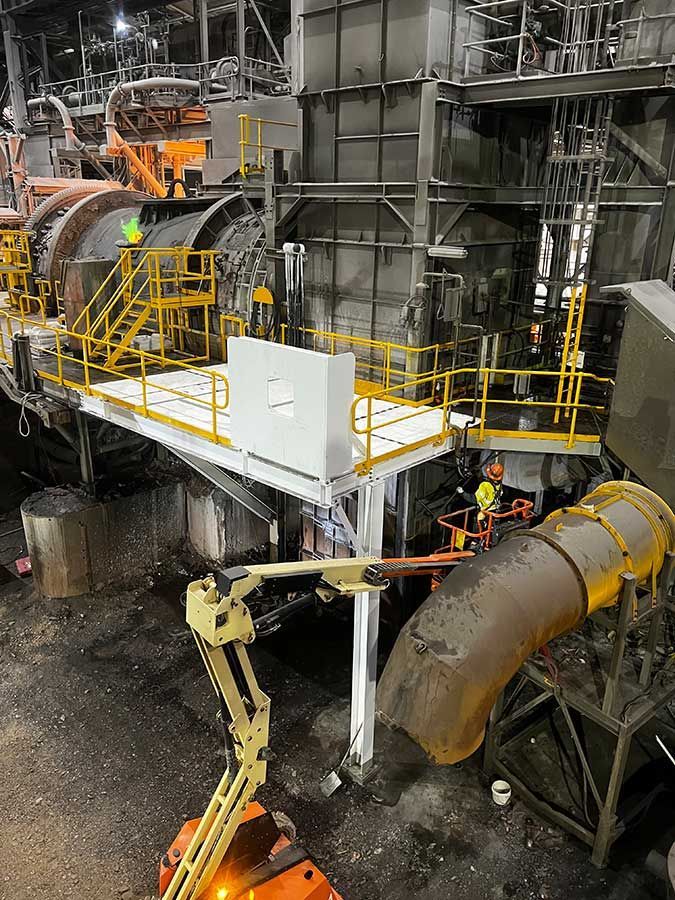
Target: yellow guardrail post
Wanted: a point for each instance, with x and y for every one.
(85, 362)
(144, 385)
(223, 339)
(565, 351)
(483, 405)
(446, 403)
(575, 349)
(573, 424)
(242, 145)
(59, 358)
(214, 408)
(369, 426)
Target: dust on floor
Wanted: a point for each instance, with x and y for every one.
(108, 742)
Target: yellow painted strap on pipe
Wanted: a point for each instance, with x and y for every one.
(594, 516)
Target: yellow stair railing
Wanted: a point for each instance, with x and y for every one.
(15, 262)
(154, 286)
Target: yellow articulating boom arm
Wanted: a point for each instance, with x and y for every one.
(222, 626)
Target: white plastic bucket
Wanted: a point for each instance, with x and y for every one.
(501, 792)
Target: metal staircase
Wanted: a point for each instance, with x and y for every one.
(155, 287)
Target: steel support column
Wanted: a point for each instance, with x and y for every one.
(241, 44)
(370, 525)
(86, 458)
(201, 8)
(14, 74)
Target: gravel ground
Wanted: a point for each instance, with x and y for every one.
(108, 742)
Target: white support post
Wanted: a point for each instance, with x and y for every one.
(370, 525)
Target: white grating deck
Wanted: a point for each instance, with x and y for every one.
(197, 412)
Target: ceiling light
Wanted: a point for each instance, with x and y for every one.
(120, 24)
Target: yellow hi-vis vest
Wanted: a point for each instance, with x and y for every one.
(488, 496)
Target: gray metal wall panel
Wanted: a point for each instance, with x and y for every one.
(357, 161)
(319, 51)
(406, 38)
(225, 124)
(318, 156)
(368, 113)
(399, 159)
(360, 44)
(494, 146)
(641, 427)
(619, 248)
(395, 39)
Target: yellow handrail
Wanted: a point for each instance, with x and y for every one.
(431, 394)
(76, 373)
(259, 144)
(439, 399)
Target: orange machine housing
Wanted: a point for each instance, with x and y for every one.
(261, 864)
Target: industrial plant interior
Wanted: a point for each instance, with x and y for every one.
(337, 468)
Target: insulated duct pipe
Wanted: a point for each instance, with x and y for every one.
(185, 85)
(117, 144)
(470, 637)
(72, 140)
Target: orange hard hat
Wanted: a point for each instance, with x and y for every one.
(495, 471)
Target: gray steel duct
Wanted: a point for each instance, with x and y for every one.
(471, 635)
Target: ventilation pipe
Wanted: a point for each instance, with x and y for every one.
(470, 637)
(72, 140)
(117, 144)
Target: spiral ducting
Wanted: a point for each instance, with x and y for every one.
(468, 639)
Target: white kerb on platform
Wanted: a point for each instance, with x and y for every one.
(292, 406)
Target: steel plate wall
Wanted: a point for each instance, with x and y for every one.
(374, 41)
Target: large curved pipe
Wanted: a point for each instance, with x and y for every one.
(470, 637)
(114, 140)
(146, 84)
(73, 142)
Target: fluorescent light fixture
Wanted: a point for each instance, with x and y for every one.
(69, 50)
(444, 251)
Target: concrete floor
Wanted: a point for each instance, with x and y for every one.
(108, 741)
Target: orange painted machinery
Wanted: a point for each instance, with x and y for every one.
(261, 863)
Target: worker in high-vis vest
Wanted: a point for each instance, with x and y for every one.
(488, 497)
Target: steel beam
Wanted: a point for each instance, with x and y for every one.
(370, 526)
(638, 151)
(14, 73)
(241, 44)
(229, 485)
(86, 457)
(266, 31)
(658, 78)
(201, 8)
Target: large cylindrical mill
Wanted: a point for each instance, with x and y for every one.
(470, 637)
(92, 229)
